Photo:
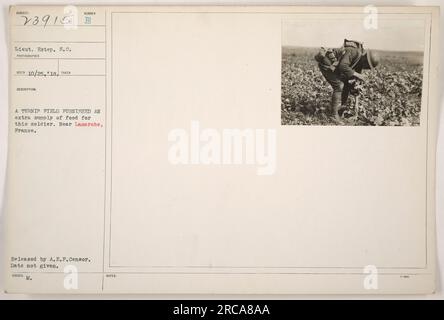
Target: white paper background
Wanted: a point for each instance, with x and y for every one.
(4, 126)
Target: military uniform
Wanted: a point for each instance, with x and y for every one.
(341, 65)
(349, 61)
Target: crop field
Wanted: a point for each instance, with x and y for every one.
(391, 96)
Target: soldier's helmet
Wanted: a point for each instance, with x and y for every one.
(372, 59)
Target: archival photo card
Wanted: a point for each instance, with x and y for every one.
(222, 150)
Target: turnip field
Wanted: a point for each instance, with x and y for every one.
(391, 96)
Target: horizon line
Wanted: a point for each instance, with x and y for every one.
(386, 50)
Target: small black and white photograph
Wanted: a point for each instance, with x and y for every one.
(344, 72)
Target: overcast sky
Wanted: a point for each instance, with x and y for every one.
(393, 34)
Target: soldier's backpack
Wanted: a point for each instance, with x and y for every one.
(327, 58)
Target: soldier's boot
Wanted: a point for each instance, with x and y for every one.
(344, 99)
(335, 105)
